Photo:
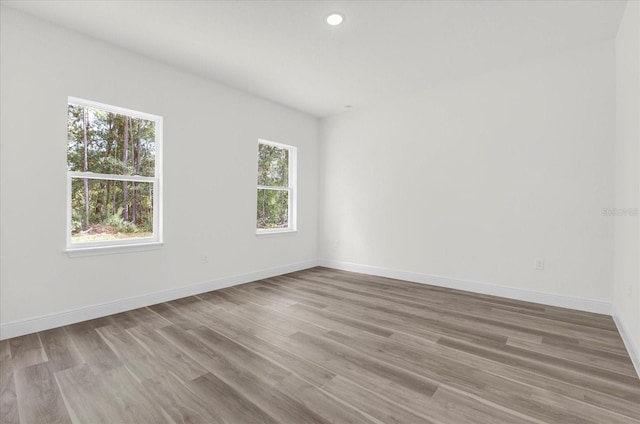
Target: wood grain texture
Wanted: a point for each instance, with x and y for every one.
(324, 346)
(60, 349)
(40, 398)
(8, 401)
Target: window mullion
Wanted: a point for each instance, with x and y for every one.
(117, 177)
(280, 188)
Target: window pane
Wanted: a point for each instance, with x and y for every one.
(273, 166)
(104, 210)
(273, 208)
(114, 143)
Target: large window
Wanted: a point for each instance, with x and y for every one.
(113, 176)
(276, 188)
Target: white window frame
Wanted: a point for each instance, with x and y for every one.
(292, 188)
(122, 245)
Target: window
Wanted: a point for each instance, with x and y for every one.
(276, 188)
(113, 176)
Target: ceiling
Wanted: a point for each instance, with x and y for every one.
(283, 51)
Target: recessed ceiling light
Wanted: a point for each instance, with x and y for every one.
(334, 19)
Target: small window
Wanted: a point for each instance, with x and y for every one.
(113, 176)
(276, 188)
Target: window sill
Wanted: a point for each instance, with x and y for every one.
(275, 233)
(112, 250)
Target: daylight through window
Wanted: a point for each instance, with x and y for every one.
(276, 188)
(113, 176)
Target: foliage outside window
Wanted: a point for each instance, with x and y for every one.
(113, 176)
(276, 210)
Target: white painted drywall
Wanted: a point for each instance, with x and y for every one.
(472, 180)
(210, 149)
(626, 299)
(475, 179)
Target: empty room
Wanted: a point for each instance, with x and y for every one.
(314, 212)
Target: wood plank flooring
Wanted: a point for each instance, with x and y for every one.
(325, 346)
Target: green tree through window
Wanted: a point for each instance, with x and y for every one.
(276, 188)
(113, 175)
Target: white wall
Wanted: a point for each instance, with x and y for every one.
(626, 300)
(475, 179)
(472, 180)
(210, 144)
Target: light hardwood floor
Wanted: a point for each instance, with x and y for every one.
(325, 346)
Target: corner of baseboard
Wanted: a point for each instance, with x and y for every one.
(58, 319)
(551, 299)
(633, 352)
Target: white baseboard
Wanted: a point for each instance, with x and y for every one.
(58, 319)
(634, 354)
(551, 299)
(45, 322)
